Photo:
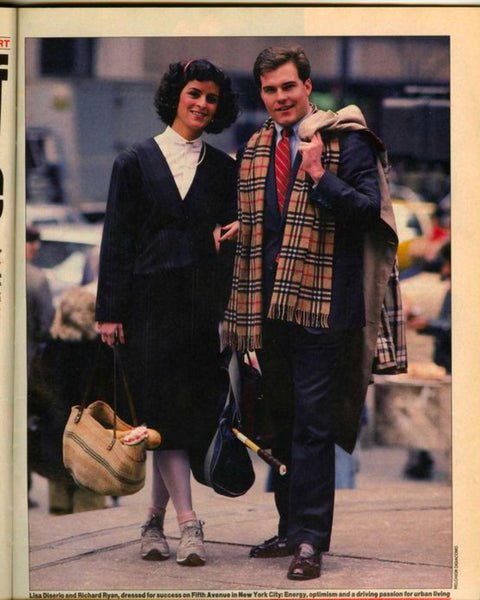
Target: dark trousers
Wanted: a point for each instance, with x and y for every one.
(300, 371)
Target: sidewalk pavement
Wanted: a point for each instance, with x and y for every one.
(389, 534)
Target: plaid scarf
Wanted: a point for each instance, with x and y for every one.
(302, 287)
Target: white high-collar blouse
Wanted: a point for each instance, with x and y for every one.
(182, 156)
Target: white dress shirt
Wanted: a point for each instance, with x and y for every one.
(294, 138)
(182, 156)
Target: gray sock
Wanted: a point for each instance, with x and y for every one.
(306, 550)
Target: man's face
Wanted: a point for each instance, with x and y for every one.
(285, 95)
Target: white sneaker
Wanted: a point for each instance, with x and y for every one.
(154, 544)
(191, 551)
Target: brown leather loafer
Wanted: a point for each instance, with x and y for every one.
(305, 567)
(272, 548)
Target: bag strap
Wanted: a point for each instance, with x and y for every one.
(235, 378)
(117, 366)
(252, 360)
(90, 383)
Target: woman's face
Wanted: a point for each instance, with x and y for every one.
(196, 108)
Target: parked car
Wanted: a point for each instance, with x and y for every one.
(40, 215)
(93, 212)
(69, 255)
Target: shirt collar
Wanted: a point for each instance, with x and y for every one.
(172, 138)
(295, 126)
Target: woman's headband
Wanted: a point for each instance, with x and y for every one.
(203, 64)
(187, 64)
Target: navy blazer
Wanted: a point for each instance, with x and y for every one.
(353, 198)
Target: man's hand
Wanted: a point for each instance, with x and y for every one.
(312, 157)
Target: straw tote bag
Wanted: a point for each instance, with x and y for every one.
(92, 448)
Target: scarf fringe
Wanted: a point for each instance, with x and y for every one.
(241, 342)
(290, 314)
(301, 317)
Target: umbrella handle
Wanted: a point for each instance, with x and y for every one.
(263, 454)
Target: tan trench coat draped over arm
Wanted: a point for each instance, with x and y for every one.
(380, 346)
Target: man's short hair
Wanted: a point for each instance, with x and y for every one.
(275, 56)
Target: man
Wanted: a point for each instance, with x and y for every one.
(298, 292)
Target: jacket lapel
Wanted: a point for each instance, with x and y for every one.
(157, 174)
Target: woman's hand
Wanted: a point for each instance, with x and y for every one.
(109, 331)
(225, 233)
(230, 231)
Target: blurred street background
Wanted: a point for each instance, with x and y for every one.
(87, 99)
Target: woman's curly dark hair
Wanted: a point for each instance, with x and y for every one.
(176, 78)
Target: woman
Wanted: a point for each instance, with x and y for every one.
(171, 204)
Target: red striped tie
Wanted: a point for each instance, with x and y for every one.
(282, 166)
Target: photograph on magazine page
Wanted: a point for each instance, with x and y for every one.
(196, 229)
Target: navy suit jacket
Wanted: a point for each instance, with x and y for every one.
(353, 198)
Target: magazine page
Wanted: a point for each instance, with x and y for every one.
(8, 19)
(406, 501)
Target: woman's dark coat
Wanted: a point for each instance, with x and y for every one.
(161, 276)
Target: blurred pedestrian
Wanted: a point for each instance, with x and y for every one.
(171, 206)
(59, 377)
(40, 308)
(347, 464)
(40, 313)
(426, 250)
(420, 464)
(306, 205)
(441, 326)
